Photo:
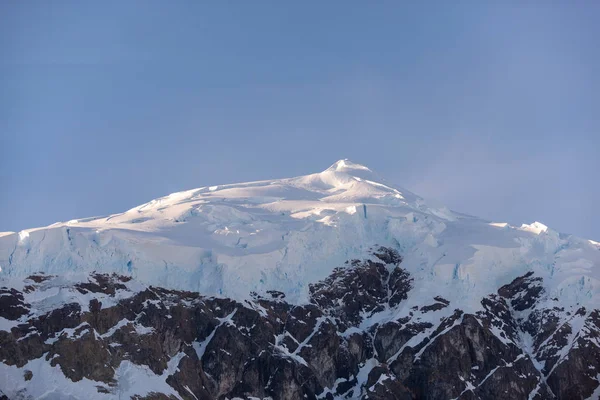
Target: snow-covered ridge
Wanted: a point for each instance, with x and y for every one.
(284, 234)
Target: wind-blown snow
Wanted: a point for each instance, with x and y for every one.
(284, 234)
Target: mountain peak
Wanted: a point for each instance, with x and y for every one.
(345, 165)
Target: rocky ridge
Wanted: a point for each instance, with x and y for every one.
(109, 336)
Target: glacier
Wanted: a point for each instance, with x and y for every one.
(282, 234)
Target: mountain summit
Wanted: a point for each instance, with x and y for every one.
(348, 166)
(332, 285)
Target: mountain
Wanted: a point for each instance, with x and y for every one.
(332, 285)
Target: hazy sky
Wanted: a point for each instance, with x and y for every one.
(493, 110)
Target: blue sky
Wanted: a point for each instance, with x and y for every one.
(492, 109)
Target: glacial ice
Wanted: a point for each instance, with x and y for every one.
(283, 234)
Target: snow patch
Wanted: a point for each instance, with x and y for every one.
(536, 227)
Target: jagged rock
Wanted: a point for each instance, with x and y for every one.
(39, 278)
(523, 291)
(433, 307)
(82, 356)
(27, 375)
(363, 287)
(576, 376)
(382, 385)
(217, 348)
(392, 336)
(12, 304)
(102, 283)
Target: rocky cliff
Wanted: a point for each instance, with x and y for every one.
(108, 336)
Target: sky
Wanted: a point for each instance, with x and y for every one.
(492, 108)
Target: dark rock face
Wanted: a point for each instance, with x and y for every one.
(363, 288)
(103, 283)
(12, 304)
(523, 291)
(216, 348)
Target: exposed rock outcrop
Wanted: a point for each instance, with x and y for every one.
(334, 347)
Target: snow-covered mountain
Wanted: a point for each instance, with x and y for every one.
(353, 260)
(284, 234)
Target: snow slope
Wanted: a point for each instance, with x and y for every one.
(283, 234)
